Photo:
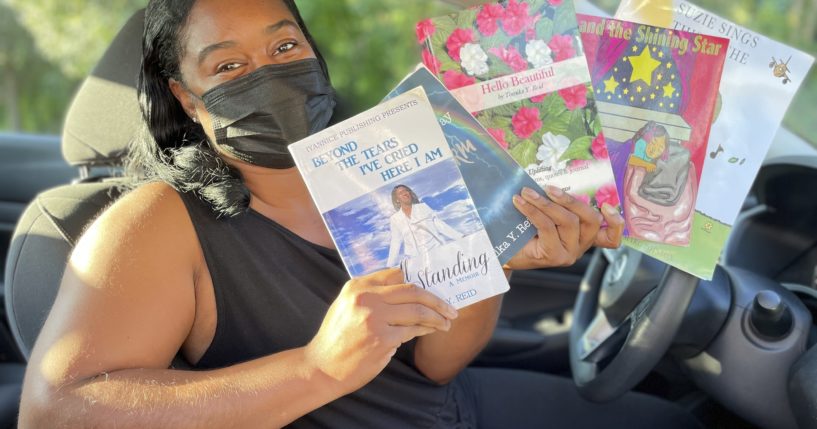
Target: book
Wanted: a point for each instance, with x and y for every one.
(760, 78)
(490, 174)
(518, 66)
(388, 188)
(656, 91)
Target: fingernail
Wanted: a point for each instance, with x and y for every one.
(452, 312)
(519, 200)
(530, 193)
(555, 191)
(610, 210)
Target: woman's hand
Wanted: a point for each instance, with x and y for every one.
(566, 228)
(369, 320)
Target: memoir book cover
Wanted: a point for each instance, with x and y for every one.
(391, 195)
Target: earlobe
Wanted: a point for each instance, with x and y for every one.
(184, 97)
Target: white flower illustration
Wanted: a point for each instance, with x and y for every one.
(551, 150)
(473, 59)
(538, 53)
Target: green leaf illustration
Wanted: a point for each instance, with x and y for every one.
(565, 18)
(524, 153)
(544, 29)
(467, 18)
(578, 149)
(507, 110)
(576, 126)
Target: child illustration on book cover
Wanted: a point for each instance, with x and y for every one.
(656, 90)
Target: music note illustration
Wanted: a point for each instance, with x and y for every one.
(715, 154)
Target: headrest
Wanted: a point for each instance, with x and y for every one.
(104, 115)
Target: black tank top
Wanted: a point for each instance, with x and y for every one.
(272, 290)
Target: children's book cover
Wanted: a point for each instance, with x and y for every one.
(760, 78)
(518, 66)
(390, 193)
(656, 91)
(491, 175)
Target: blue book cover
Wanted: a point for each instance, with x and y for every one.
(490, 174)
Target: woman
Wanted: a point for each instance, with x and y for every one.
(224, 259)
(414, 226)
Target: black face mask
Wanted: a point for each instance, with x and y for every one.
(257, 115)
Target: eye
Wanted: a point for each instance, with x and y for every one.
(227, 67)
(286, 47)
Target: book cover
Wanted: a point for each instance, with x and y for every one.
(518, 66)
(760, 78)
(656, 91)
(390, 193)
(489, 172)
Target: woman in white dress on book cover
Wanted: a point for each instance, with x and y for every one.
(415, 226)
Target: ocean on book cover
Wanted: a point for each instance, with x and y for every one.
(518, 66)
(760, 78)
(391, 195)
(489, 172)
(656, 91)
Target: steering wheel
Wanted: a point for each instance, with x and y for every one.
(627, 312)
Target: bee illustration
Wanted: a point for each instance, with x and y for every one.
(780, 69)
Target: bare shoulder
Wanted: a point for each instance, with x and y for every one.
(149, 220)
(127, 297)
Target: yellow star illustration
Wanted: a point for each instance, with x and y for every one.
(669, 90)
(632, 98)
(638, 89)
(661, 104)
(643, 99)
(661, 54)
(669, 65)
(626, 91)
(652, 96)
(643, 66)
(635, 48)
(660, 76)
(609, 96)
(610, 85)
(672, 105)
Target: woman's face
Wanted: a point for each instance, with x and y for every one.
(224, 40)
(403, 196)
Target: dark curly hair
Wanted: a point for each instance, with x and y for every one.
(173, 148)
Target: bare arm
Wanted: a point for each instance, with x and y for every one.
(128, 303)
(125, 307)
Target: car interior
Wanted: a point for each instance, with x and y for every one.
(737, 351)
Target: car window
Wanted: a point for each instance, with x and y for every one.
(47, 47)
(791, 22)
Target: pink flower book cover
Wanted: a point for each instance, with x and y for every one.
(656, 92)
(518, 66)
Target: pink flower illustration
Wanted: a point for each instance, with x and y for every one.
(599, 147)
(562, 47)
(575, 97)
(431, 61)
(456, 40)
(607, 194)
(424, 29)
(538, 98)
(499, 135)
(526, 122)
(487, 18)
(454, 79)
(578, 164)
(555, 2)
(516, 19)
(511, 57)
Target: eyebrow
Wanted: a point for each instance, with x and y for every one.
(230, 43)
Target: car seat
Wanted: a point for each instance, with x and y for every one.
(101, 121)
